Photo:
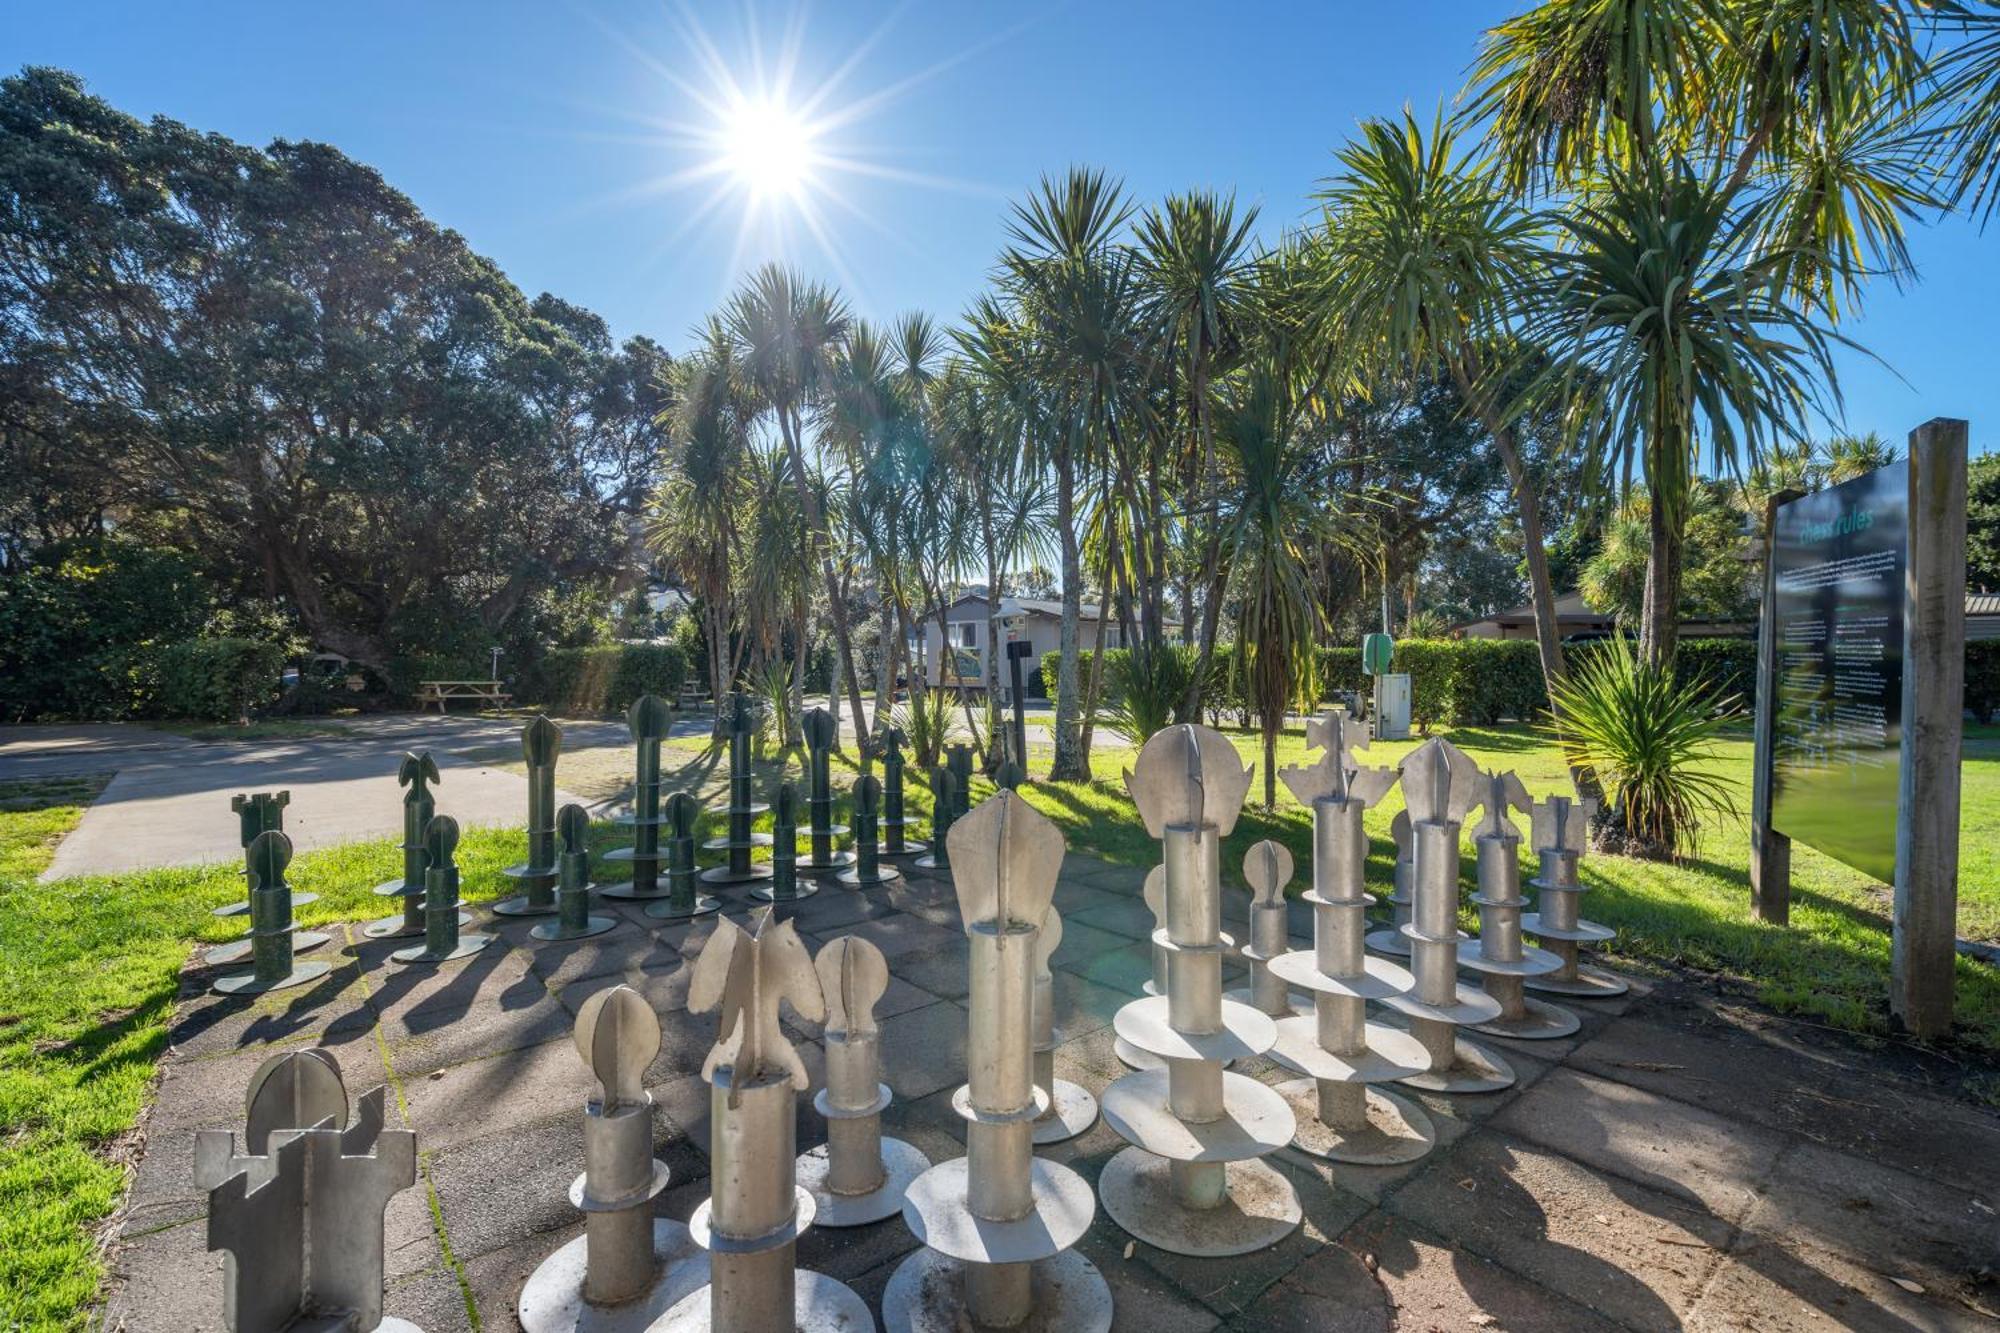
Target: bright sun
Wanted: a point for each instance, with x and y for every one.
(768, 147)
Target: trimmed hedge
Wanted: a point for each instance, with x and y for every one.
(208, 680)
(1982, 678)
(605, 678)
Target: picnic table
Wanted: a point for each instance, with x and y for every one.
(441, 692)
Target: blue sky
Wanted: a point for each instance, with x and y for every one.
(576, 143)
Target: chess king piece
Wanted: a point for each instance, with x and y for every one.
(1343, 1113)
(894, 820)
(1560, 825)
(857, 1176)
(442, 940)
(1503, 961)
(299, 1211)
(271, 928)
(819, 730)
(541, 743)
(259, 812)
(573, 919)
(750, 1225)
(1069, 1108)
(648, 720)
(684, 896)
(1192, 1182)
(998, 1224)
(628, 1267)
(416, 775)
(1441, 786)
(1267, 868)
(867, 872)
(738, 841)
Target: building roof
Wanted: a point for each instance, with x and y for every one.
(1036, 606)
(1982, 604)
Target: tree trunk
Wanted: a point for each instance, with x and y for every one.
(795, 726)
(1660, 621)
(1096, 688)
(996, 728)
(816, 523)
(885, 671)
(1068, 765)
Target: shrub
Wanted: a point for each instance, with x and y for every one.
(208, 680)
(1144, 688)
(605, 678)
(1982, 678)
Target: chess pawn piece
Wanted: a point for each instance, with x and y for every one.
(1267, 869)
(261, 812)
(944, 809)
(867, 871)
(648, 720)
(271, 928)
(1559, 825)
(1154, 895)
(739, 839)
(541, 742)
(820, 734)
(684, 896)
(442, 940)
(573, 919)
(785, 884)
(1070, 1108)
(416, 774)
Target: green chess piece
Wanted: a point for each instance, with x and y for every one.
(684, 896)
(894, 820)
(958, 758)
(442, 939)
(1010, 776)
(868, 870)
(573, 919)
(541, 743)
(648, 720)
(739, 840)
(271, 928)
(820, 733)
(258, 813)
(785, 885)
(416, 773)
(944, 810)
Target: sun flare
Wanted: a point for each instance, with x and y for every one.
(768, 147)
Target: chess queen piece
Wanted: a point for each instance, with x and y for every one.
(1069, 1109)
(895, 822)
(1344, 1114)
(271, 929)
(648, 720)
(573, 919)
(820, 731)
(750, 1225)
(785, 884)
(1267, 869)
(1499, 955)
(442, 939)
(1559, 825)
(738, 840)
(998, 1224)
(258, 812)
(857, 1176)
(1193, 1181)
(1440, 786)
(684, 896)
(541, 743)
(628, 1267)
(299, 1211)
(867, 872)
(944, 809)
(417, 774)
(1154, 895)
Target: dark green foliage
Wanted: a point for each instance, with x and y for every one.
(1982, 678)
(1144, 689)
(208, 680)
(587, 682)
(1982, 524)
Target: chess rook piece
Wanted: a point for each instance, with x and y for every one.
(684, 896)
(857, 1176)
(573, 919)
(1440, 787)
(819, 730)
(999, 1223)
(1343, 1113)
(1068, 1109)
(299, 1211)
(1559, 825)
(271, 928)
(442, 939)
(739, 840)
(1154, 895)
(894, 820)
(541, 743)
(648, 719)
(1267, 868)
(750, 1225)
(416, 775)
(1503, 961)
(1192, 1182)
(261, 812)
(785, 884)
(944, 809)
(628, 1267)
(867, 871)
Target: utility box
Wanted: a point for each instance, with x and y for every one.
(1392, 707)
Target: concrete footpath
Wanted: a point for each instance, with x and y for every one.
(1677, 1164)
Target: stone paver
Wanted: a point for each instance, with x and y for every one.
(1677, 1165)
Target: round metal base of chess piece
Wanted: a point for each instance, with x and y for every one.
(927, 1295)
(1590, 983)
(928, 861)
(1538, 1022)
(1300, 1008)
(524, 906)
(1072, 1109)
(1473, 1069)
(1398, 1129)
(467, 946)
(237, 951)
(853, 879)
(722, 874)
(553, 1301)
(724, 843)
(834, 861)
(910, 847)
(242, 908)
(1133, 1058)
(1391, 940)
(396, 928)
(1254, 1121)
(665, 909)
(626, 891)
(801, 888)
(901, 1162)
(819, 1305)
(391, 1324)
(555, 930)
(1259, 1207)
(246, 983)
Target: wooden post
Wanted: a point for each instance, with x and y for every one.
(1923, 953)
(1770, 850)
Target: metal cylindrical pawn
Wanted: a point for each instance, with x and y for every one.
(1267, 868)
(751, 1223)
(1192, 1183)
(648, 720)
(738, 840)
(785, 884)
(260, 812)
(1503, 961)
(442, 939)
(1069, 1107)
(684, 896)
(271, 928)
(1440, 786)
(868, 871)
(820, 733)
(895, 821)
(1560, 825)
(573, 919)
(1154, 895)
(628, 1267)
(857, 1176)
(541, 743)
(998, 1223)
(944, 809)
